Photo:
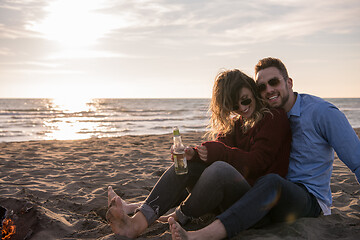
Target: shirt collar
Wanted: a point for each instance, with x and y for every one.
(295, 110)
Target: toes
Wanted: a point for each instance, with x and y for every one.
(111, 195)
(111, 203)
(176, 231)
(171, 221)
(115, 201)
(110, 190)
(118, 201)
(172, 225)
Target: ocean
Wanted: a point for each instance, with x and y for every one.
(67, 119)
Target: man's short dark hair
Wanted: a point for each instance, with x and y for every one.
(272, 62)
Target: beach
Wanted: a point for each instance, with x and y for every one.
(57, 189)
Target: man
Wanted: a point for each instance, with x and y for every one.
(318, 128)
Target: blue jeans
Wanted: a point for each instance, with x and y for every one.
(210, 188)
(271, 199)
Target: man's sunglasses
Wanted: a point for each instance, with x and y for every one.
(272, 82)
(243, 102)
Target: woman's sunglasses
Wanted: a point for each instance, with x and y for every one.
(243, 102)
(272, 82)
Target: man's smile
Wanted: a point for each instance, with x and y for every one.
(273, 97)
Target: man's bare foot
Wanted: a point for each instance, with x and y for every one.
(128, 208)
(165, 219)
(177, 232)
(215, 231)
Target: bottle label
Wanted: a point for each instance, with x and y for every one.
(176, 132)
(180, 163)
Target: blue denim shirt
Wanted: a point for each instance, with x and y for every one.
(318, 127)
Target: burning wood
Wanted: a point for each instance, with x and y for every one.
(18, 218)
(8, 229)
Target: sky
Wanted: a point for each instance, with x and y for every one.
(173, 48)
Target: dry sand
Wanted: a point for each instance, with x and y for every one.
(57, 189)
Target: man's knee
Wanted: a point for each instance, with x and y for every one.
(271, 185)
(271, 180)
(271, 177)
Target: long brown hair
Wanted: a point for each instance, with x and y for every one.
(224, 96)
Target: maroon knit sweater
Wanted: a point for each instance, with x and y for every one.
(263, 149)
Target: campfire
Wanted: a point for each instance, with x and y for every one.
(18, 219)
(8, 229)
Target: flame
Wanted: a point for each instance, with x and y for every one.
(8, 229)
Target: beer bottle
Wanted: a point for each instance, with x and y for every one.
(179, 154)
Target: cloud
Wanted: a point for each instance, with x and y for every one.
(171, 32)
(194, 21)
(15, 15)
(86, 54)
(245, 22)
(227, 53)
(5, 52)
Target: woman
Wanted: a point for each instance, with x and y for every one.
(251, 141)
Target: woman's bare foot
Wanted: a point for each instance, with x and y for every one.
(120, 222)
(111, 195)
(177, 232)
(165, 219)
(128, 208)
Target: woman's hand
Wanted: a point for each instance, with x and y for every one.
(203, 153)
(189, 153)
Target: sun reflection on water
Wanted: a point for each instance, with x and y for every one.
(73, 119)
(73, 105)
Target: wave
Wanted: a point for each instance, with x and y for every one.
(34, 119)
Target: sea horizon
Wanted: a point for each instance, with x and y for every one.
(152, 97)
(25, 119)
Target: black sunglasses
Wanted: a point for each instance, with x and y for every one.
(243, 102)
(272, 82)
